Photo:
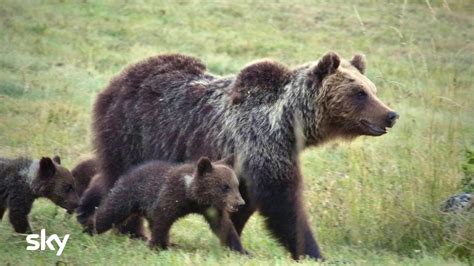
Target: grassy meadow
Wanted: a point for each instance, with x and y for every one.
(373, 201)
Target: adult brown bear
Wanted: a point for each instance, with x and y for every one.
(168, 108)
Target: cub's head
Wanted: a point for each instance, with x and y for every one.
(83, 174)
(217, 185)
(347, 100)
(56, 183)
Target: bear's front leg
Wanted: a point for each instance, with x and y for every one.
(222, 226)
(287, 221)
(160, 229)
(279, 197)
(18, 214)
(2, 210)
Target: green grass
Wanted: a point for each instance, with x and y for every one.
(373, 201)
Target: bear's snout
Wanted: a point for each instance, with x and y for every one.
(240, 202)
(71, 207)
(235, 203)
(392, 118)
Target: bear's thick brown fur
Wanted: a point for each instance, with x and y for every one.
(168, 108)
(164, 192)
(23, 180)
(83, 173)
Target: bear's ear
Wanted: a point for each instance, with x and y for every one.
(57, 159)
(229, 161)
(46, 168)
(327, 65)
(358, 61)
(203, 166)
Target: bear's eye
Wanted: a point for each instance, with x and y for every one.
(361, 95)
(69, 188)
(225, 188)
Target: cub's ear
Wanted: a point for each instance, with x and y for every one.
(57, 159)
(229, 161)
(358, 61)
(203, 166)
(46, 168)
(327, 65)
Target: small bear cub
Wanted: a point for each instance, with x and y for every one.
(23, 180)
(163, 192)
(83, 174)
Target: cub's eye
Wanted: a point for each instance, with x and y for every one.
(361, 95)
(225, 188)
(69, 188)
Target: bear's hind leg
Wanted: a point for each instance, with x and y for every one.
(160, 230)
(133, 226)
(116, 209)
(91, 199)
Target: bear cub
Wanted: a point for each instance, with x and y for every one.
(23, 180)
(83, 174)
(163, 192)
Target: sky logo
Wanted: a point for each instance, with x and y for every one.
(46, 242)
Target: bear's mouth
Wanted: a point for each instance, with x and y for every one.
(231, 208)
(372, 129)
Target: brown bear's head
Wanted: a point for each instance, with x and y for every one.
(56, 183)
(83, 174)
(217, 185)
(347, 99)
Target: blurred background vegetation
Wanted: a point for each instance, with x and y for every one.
(371, 201)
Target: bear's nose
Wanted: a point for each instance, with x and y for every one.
(391, 118)
(241, 202)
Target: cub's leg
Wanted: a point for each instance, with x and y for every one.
(91, 198)
(19, 208)
(133, 226)
(222, 226)
(117, 207)
(160, 227)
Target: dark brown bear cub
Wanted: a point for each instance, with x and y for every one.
(83, 173)
(163, 192)
(24, 180)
